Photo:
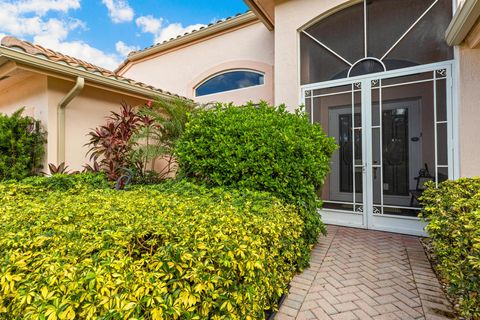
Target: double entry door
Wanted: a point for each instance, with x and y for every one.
(393, 133)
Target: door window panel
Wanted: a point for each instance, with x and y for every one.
(395, 151)
(337, 110)
(413, 140)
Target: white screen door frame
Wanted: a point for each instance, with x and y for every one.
(369, 212)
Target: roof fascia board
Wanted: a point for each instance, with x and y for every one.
(462, 22)
(87, 83)
(261, 14)
(32, 63)
(217, 28)
(473, 38)
(7, 68)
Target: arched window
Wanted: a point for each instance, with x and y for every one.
(230, 80)
(375, 36)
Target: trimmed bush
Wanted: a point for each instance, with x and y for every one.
(21, 146)
(454, 213)
(62, 182)
(163, 252)
(259, 147)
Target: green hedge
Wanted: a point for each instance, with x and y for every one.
(259, 147)
(22, 146)
(62, 182)
(454, 213)
(172, 251)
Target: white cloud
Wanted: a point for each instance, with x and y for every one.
(16, 17)
(39, 7)
(175, 29)
(80, 50)
(155, 26)
(124, 49)
(119, 10)
(26, 19)
(149, 24)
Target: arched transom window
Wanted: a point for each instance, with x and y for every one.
(375, 36)
(230, 80)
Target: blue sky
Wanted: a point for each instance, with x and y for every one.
(104, 31)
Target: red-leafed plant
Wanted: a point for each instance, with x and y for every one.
(62, 168)
(111, 144)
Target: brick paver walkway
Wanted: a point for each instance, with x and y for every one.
(364, 274)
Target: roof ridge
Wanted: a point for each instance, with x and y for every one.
(58, 57)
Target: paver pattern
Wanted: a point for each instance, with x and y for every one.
(365, 274)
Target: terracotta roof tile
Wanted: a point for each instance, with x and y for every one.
(39, 51)
(188, 33)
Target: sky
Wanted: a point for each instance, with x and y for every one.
(104, 31)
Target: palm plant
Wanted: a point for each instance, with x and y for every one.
(164, 123)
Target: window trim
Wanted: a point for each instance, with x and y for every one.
(232, 90)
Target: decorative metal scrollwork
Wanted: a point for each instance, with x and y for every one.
(308, 93)
(359, 209)
(375, 82)
(377, 210)
(442, 72)
(358, 85)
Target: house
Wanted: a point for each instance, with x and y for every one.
(185, 65)
(397, 83)
(68, 95)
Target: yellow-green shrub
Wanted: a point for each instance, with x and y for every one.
(454, 213)
(165, 252)
(260, 147)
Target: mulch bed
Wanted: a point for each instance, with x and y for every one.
(427, 246)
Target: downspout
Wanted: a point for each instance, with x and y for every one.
(75, 91)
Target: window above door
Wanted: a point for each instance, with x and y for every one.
(375, 36)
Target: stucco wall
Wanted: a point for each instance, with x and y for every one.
(180, 70)
(469, 111)
(85, 112)
(290, 16)
(28, 91)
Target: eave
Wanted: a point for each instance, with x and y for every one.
(36, 64)
(463, 21)
(259, 8)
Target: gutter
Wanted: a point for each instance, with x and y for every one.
(462, 22)
(75, 91)
(33, 63)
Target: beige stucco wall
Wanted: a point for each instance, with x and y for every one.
(469, 111)
(27, 90)
(181, 69)
(85, 112)
(290, 16)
